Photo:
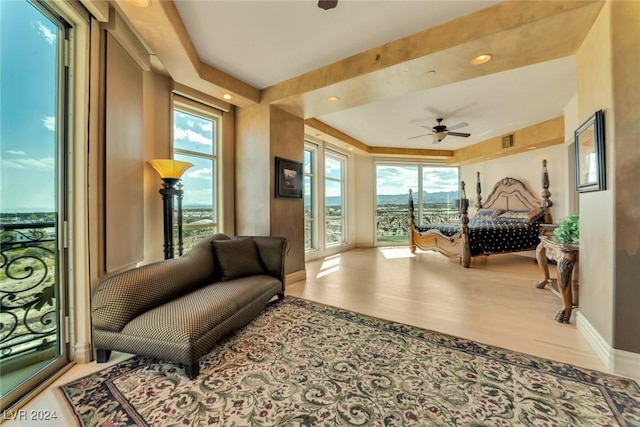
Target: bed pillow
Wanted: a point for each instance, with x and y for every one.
(237, 258)
(489, 213)
(527, 215)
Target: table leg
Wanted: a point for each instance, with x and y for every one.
(543, 265)
(565, 269)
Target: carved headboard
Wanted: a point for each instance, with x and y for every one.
(511, 193)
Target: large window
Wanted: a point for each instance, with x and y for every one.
(196, 140)
(435, 195)
(34, 123)
(325, 202)
(310, 211)
(334, 196)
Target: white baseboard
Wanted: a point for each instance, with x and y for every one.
(296, 276)
(621, 362)
(627, 363)
(82, 353)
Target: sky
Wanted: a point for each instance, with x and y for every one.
(27, 126)
(195, 134)
(392, 180)
(27, 108)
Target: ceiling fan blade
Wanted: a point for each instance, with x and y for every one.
(419, 136)
(464, 135)
(458, 126)
(327, 4)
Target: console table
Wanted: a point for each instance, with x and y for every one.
(566, 257)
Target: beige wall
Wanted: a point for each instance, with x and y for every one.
(287, 215)
(365, 202)
(625, 24)
(527, 167)
(607, 65)
(594, 78)
(157, 111)
(253, 171)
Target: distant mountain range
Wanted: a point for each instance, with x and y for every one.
(403, 199)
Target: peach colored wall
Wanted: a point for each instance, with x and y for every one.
(157, 119)
(253, 171)
(625, 19)
(594, 79)
(527, 167)
(287, 215)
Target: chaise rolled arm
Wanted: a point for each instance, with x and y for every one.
(114, 303)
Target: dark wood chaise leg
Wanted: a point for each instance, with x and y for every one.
(281, 296)
(103, 355)
(192, 370)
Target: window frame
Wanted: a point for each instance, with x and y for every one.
(343, 195)
(194, 108)
(418, 199)
(313, 196)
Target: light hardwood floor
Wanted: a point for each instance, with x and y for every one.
(494, 302)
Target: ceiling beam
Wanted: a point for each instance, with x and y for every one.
(540, 135)
(517, 33)
(160, 26)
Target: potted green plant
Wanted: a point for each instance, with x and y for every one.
(568, 232)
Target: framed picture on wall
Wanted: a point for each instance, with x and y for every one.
(288, 179)
(589, 149)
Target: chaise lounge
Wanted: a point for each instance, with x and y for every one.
(177, 309)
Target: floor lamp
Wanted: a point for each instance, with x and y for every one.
(170, 171)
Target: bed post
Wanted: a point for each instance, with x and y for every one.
(478, 191)
(464, 227)
(412, 244)
(546, 203)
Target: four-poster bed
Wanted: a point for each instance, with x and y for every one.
(508, 221)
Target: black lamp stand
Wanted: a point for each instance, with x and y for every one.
(170, 189)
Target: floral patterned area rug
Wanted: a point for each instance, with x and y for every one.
(305, 364)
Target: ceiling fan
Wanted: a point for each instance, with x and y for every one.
(441, 131)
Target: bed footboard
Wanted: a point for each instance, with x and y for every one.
(456, 246)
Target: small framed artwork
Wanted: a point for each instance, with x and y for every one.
(288, 179)
(589, 148)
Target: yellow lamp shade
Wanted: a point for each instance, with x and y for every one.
(169, 168)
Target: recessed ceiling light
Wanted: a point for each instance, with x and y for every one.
(482, 59)
(333, 99)
(227, 96)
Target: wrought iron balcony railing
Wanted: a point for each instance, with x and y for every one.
(28, 290)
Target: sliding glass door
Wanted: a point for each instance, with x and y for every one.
(32, 203)
(435, 194)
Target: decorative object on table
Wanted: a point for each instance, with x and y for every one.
(590, 159)
(304, 363)
(568, 231)
(288, 179)
(170, 171)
